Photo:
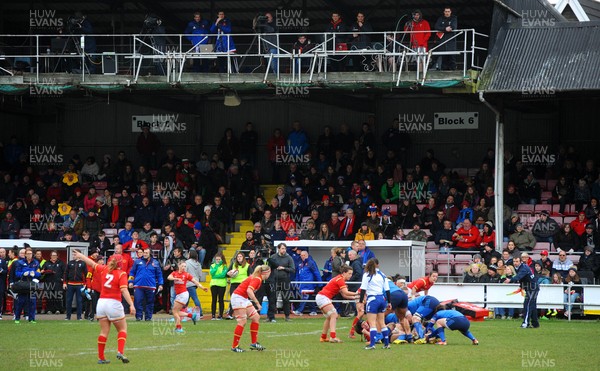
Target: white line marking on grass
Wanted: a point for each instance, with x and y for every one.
(300, 333)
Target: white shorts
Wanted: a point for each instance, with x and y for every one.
(322, 301)
(110, 309)
(183, 298)
(239, 302)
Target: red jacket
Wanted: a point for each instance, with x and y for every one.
(139, 245)
(287, 224)
(275, 146)
(484, 239)
(418, 39)
(470, 237)
(579, 226)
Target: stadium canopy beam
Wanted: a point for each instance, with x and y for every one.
(575, 6)
(499, 174)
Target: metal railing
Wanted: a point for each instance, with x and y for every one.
(389, 51)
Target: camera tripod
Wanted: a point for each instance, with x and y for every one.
(70, 39)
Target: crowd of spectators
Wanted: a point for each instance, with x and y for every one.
(342, 189)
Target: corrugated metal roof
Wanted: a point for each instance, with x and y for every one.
(592, 8)
(544, 59)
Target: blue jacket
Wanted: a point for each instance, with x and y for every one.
(201, 29)
(224, 42)
(146, 273)
(466, 213)
(24, 267)
(327, 267)
(125, 235)
(526, 278)
(308, 271)
(298, 140)
(366, 255)
(295, 256)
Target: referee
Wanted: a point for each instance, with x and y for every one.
(528, 283)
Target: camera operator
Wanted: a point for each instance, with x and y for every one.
(266, 25)
(79, 24)
(280, 281)
(153, 26)
(199, 28)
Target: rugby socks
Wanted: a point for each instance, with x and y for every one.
(469, 335)
(237, 334)
(333, 335)
(419, 330)
(402, 337)
(386, 338)
(324, 336)
(409, 337)
(178, 327)
(439, 333)
(254, 332)
(373, 332)
(188, 315)
(121, 339)
(356, 319)
(101, 346)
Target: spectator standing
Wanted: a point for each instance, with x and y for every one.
(446, 25)
(218, 285)
(53, 275)
(197, 32)
(283, 269)
(74, 283)
(419, 36)
(249, 144)
(148, 146)
(27, 269)
(223, 43)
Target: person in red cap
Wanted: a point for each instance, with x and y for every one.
(578, 225)
(546, 262)
(110, 309)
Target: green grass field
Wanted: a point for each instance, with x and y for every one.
(154, 346)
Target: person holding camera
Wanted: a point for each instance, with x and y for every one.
(283, 268)
(27, 271)
(267, 25)
(79, 24)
